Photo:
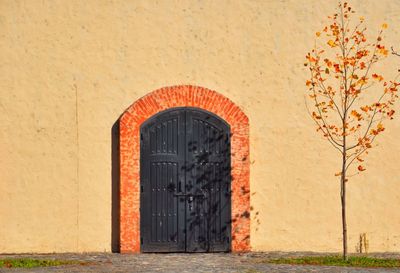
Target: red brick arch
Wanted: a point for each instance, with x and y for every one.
(181, 96)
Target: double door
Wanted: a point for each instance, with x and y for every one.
(185, 174)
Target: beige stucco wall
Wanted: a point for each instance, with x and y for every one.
(68, 69)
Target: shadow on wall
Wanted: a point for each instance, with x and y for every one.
(115, 185)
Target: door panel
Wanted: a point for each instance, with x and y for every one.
(208, 183)
(185, 182)
(162, 161)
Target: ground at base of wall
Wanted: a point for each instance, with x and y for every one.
(215, 262)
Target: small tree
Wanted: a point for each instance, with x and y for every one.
(345, 112)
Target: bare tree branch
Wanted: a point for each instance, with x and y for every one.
(395, 52)
(320, 127)
(321, 115)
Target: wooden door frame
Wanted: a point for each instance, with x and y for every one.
(182, 96)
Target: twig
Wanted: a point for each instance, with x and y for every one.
(395, 52)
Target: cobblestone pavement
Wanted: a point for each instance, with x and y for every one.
(183, 263)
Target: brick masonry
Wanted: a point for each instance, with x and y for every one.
(182, 96)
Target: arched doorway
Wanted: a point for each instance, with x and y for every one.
(163, 99)
(185, 182)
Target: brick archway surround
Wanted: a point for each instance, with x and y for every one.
(182, 96)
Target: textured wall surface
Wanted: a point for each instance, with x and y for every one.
(69, 69)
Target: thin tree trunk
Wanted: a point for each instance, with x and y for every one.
(343, 202)
(343, 177)
(344, 224)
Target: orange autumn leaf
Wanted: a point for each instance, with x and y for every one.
(328, 62)
(312, 59)
(357, 115)
(362, 81)
(382, 50)
(377, 77)
(391, 113)
(365, 108)
(384, 26)
(379, 129)
(331, 43)
(361, 168)
(316, 116)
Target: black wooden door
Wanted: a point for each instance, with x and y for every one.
(185, 182)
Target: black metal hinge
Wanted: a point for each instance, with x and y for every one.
(141, 240)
